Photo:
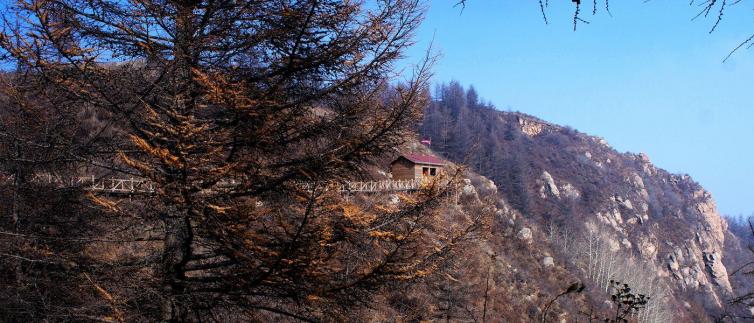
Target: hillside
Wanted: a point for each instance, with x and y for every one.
(659, 229)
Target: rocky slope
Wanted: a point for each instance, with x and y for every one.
(504, 273)
(575, 187)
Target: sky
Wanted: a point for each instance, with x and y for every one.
(647, 79)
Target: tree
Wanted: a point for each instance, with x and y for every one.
(246, 116)
(626, 303)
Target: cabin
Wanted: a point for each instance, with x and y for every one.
(416, 167)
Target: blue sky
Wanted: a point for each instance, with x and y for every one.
(647, 79)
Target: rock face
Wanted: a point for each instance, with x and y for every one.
(530, 127)
(553, 174)
(717, 271)
(697, 261)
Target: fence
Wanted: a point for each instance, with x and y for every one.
(112, 185)
(134, 185)
(380, 186)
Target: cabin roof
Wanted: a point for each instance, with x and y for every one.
(423, 159)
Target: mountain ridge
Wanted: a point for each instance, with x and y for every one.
(556, 176)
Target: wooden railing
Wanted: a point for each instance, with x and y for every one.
(380, 186)
(109, 185)
(135, 185)
(121, 185)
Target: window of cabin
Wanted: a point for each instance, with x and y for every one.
(425, 171)
(432, 171)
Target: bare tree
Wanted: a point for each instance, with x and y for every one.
(604, 264)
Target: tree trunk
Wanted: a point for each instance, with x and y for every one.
(178, 232)
(176, 253)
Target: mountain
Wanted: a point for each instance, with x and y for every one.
(607, 215)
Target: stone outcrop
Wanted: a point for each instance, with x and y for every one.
(525, 235)
(530, 127)
(717, 271)
(548, 185)
(468, 189)
(569, 191)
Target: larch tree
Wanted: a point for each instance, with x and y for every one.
(246, 115)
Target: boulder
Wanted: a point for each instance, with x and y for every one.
(549, 183)
(569, 191)
(627, 204)
(617, 216)
(525, 235)
(626, 243)
(489, 187)
(673, 264)
(637, 181)
(647, 249)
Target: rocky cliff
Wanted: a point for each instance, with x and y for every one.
(574, 188)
